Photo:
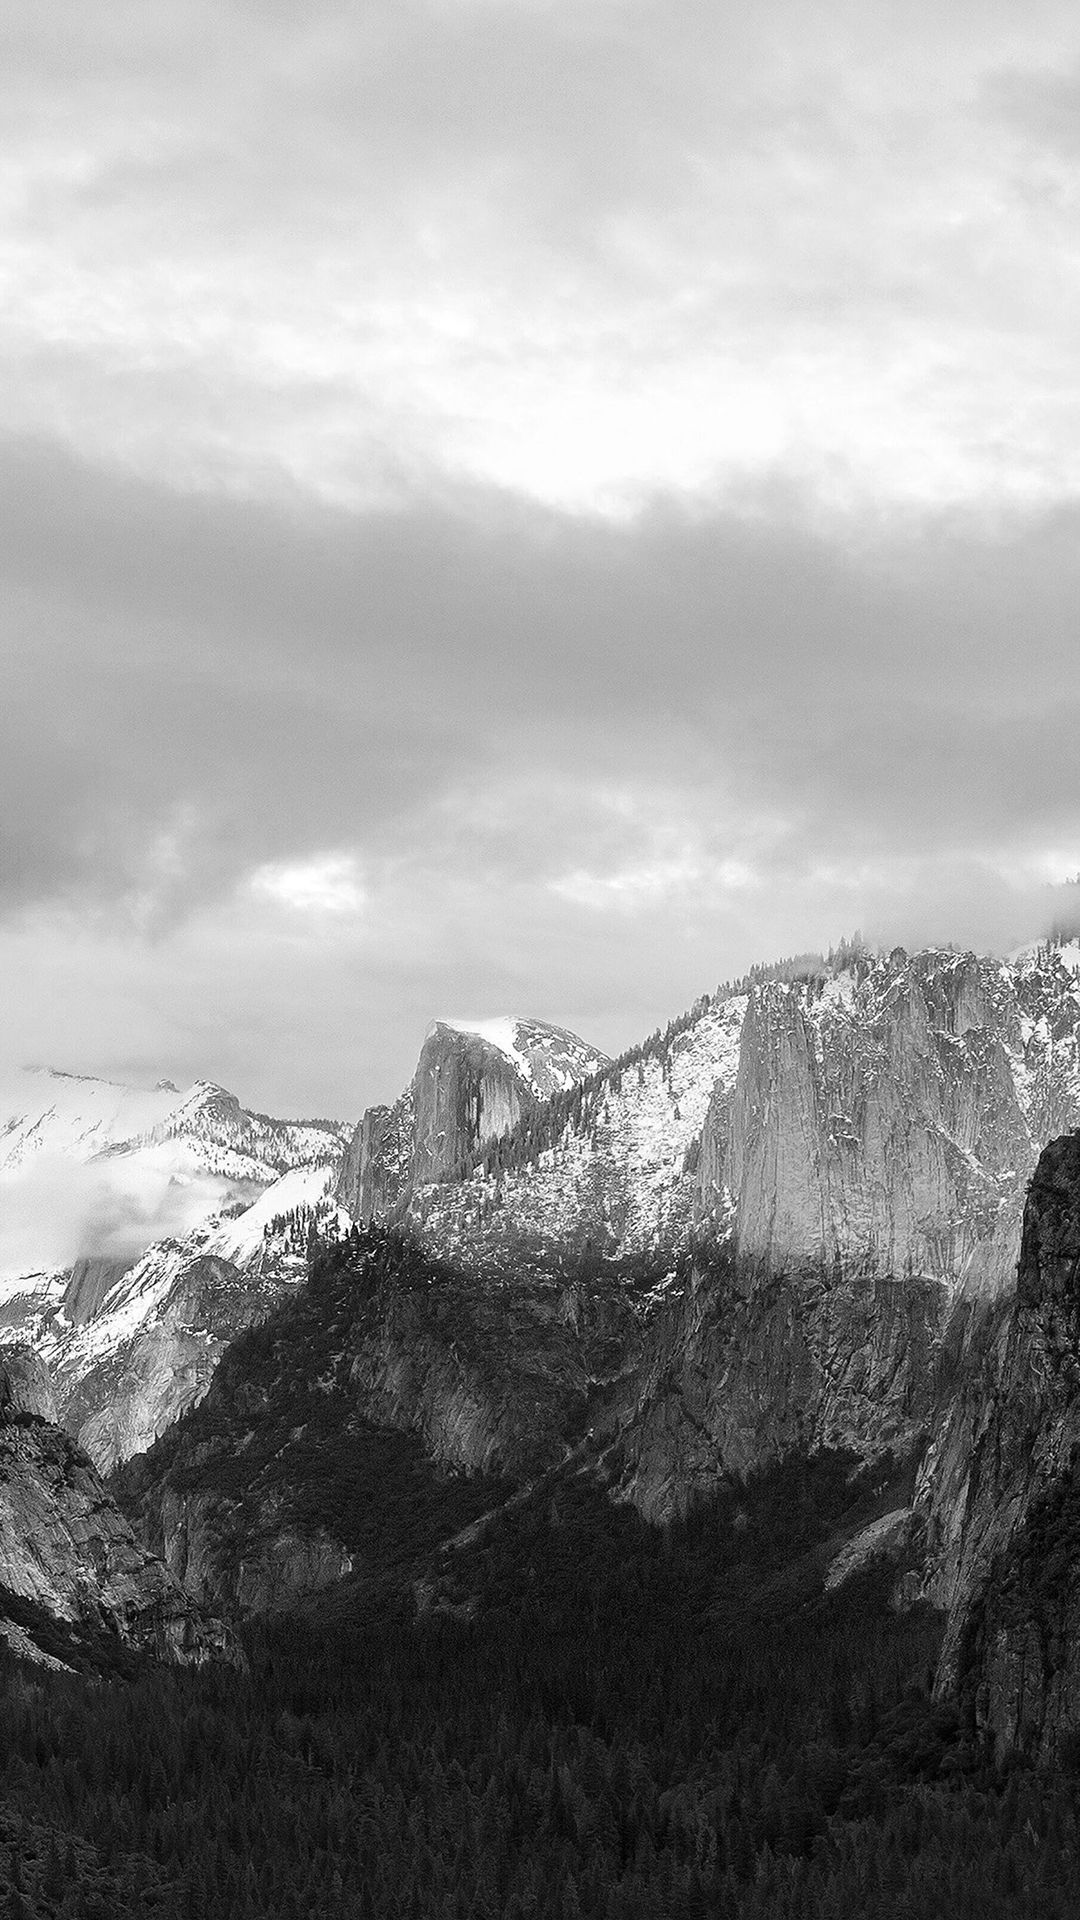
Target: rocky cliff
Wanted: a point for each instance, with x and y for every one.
(860, 1192)
(471, 1086)
(739, 1370)
(884, 1113)
(393, 1398)
(75, 1585)
(1014, 1502)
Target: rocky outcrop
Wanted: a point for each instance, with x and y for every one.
(120, 1404)
(245, 1554)
(471, 1086)
(744, 1369)
(26, 1387)
(90, 1282)
(879, 1123)
(1014, 1619)
(391, 1388)
(788, 1224)
(72, 1574)
(465, 1092)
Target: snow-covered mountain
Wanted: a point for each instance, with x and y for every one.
(881, 1110)
(140, 1229)
(473, 1084)
(150, 1350)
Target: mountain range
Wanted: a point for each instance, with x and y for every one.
(831, 1212)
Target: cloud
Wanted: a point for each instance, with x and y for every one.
(578, 252)
(54, 1211)
(269, 766)
(326, 884)
(521, 503)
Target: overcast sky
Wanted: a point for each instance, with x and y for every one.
(522, 506)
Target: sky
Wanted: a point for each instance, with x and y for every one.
(522, 506)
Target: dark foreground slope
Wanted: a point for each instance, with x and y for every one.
(632, 1724)
(386, 1406)
(1012, 1649)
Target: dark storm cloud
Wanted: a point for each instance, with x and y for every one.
(284, 681)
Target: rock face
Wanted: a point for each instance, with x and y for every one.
(25, 1385)
(391, 1389)
(465, 1092)
(884, 1123)
(471, 1086)
(71, 1570)
(741, 1370)
(884, 1115)
(1014, 1620)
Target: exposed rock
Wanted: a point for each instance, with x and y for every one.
(887, 1538)
(69, 1562)
(885, 1115)
(880, 1123)
(788, 1224)
(91, 1279)
(25, 1385)
(1014, 1622)
(132, 1332)
(470, 1087)
(390, 1368)
(466, 1091)
(248, 1555)
(742, 1371)
(149, 1351)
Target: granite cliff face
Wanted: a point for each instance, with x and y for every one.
(862, 1179)
(739, 1371)
(885, 1123)
(390, 1384)
(471, 1086)
(1014, 1619)
(883, 1115)
(73, 1577)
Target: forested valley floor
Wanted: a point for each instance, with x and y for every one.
(591, 1718)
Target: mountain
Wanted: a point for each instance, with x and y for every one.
(640, 1463)
(181, 1217)
(784, 1227)
(76, 1587)
(127, 1371)
(140, 1230)
(370, 1416)
(883, 1113)
(472, 1085)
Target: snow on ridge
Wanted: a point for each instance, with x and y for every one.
(1066, 951)
(500, 1032)
(240, 1239)
(518, 1040)
(76, 1114)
